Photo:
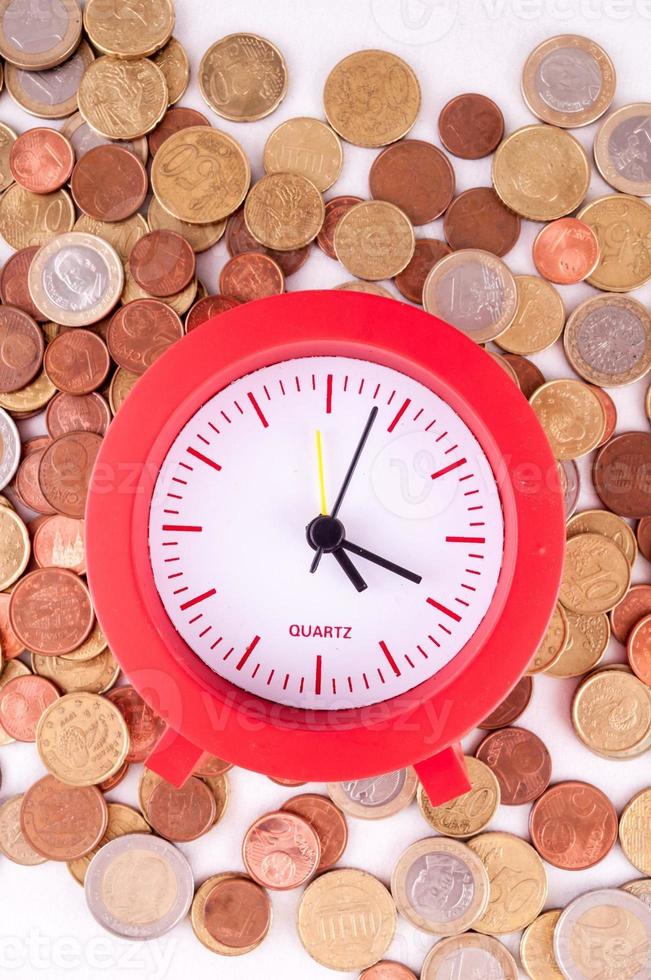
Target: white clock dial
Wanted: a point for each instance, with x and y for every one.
(229, 550)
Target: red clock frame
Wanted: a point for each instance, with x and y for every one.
(205, 712)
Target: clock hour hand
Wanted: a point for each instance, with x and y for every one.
(382, 562)
(353, 575)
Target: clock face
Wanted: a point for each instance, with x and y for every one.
(231, 555)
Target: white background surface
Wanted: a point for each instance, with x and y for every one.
(45, 929)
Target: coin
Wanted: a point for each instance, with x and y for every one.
(162, 263)
(26, 483)
(566, 251)
(14, 288)
(82, 739)
(94, 644)
(608, 927)
(621, 149)
(512, 707)
(200, 237)
(93, 676)
(179, 303)
(611, 712)
(11, 670)
(328, 823)
(573, 825)
(596, 575)
(50, 611)
(211, 765)
(7, 140)
(41, 160)
(520, 761)
(568, 81)
(144, 725)
(469, 813)
(416, 177)
(387, 970)
(83, 138)
(586, 645)
(634, 830)
(109, 183)
(553, 643)
(121, 384)
(474, 291)
(129, 31)
(250, 276)
(541, 172)
(427, 252)
(505, 366)
(471, 126)
(537, 948)
(38, 36)
(75, 413)
(359, 286)
(371, 98)
(607, 524)
(172, 122)
(641, 889)
(172, 59)
(50, 94)
(21, 349)
(230, 914)
(62, 822)
(440, 886)
(64, 474)
(353, 906)
(14, 542)
(643, 535)
(122, 99)
(281, 850)
(77, 362)
(207, 308)
(140, 332)
(305, 146)
(243, 77)
(239, 239)
(538, 321)
(59, 541)
(9, 449)
(284, 211)
(34, 219)
(122, 235)
(122, 820)
(608, 340)
(467, 955)
(374, 240)
(478, 219)
(518, 882)
(622, 224)
(29, 399)
(571, 415)
(639, 650)
(139, 886)
(620, 474)
(182, 814)
(13, 844)
(22, 702)
(200, 175)
(335, 208)
(377, 796)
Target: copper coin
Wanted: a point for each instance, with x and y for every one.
(239, 239)
(643, 533)
(427, 252)
(50, 611)
(174, 119)
(610, 411)
(416, 177)
(638, 650)
(471, 126)
(529, 376)
(250, 276)
(478, 219)
(285, 781)
(622, 474)
(335, 209)
(65, 470)
(22, 702)
(9, 643)
(237, 912)
(140, 332)
(514, 704)
(14, 288)
(41, 160)
(77, 413)
(520, 761)
(145, 726)
(573, 825)
(63, 822)
(387, 970)
(635, 605)
(109, 183)
(211, 765)
(281, 851)
(327, 821)
(21, 349)
(206, 308)
(59, 542)
(114, 780)
(162, 262)
(566, 251)
(182, 814)
(26, 484)
(77, 362)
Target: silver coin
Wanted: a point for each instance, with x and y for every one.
(641, 889)
(374, 797)
(139, 887)
(622, 149)
(376, 790)
(83, 139)
(608, 340)
(568, 80)
(9, 448)
(50, 94)
(570, 485)
(39, 35)
(610, 928)
(469, 956)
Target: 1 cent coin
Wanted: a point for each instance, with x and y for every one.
(327, 821)
(638, 650)
(573, 825)
(207, 308)
(21, 349)
(251, 276)
(622, 474)
(281, 850)
(14, 282)
(520, 761)
(77, 362)
(416, 177)
(63, 822)
(140, 332)
(566, 251)
(109, 183)
(478, 219)
(22, 702)
(65, 469)
(50, 611)
(41, 160)
(162, 262)
(471, 126)
(635, 605)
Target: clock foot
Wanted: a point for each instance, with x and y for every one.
(444, 776)
(174, 757)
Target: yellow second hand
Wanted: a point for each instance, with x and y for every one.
(319, 457)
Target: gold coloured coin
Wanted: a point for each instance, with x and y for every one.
(200, 175)
(467, 814)
(129, 30)
(518, 882)
(122, 819)
(641, 888)
(94, 644)
(539, 317)
(200, 237)
(71, 676)
(305, 146)
(284, 211)
(610, 525)
(353, 906)
(568, 81)
(12, 669)
(440, 886)
(359, 286)
(622, 224)
(608, 340)
(179, 302)
(122, 235)
(587, 643)
(371, 98)
(31, 398)
(635, 831)
(35, 36)
(243, 77)
(541, 172)
(611, 713)
(13, 843)
(375, 797)
(84, 138)
(174, 63)
(620, 149)
(84, 741)
(571, 415)
(50, 94)
(7, 140)
(374, 240)
(506, 367)
(122, 100)
(121, 384)
(483, 955)
(199, 910)
(553, 643)
(34, 219)
(537, 948)
(15, 548)
(596, 574)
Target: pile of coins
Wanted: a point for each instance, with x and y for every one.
(106, 216)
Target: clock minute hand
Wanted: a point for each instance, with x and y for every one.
(382, 562)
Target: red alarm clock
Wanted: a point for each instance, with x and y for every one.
(325, 537)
